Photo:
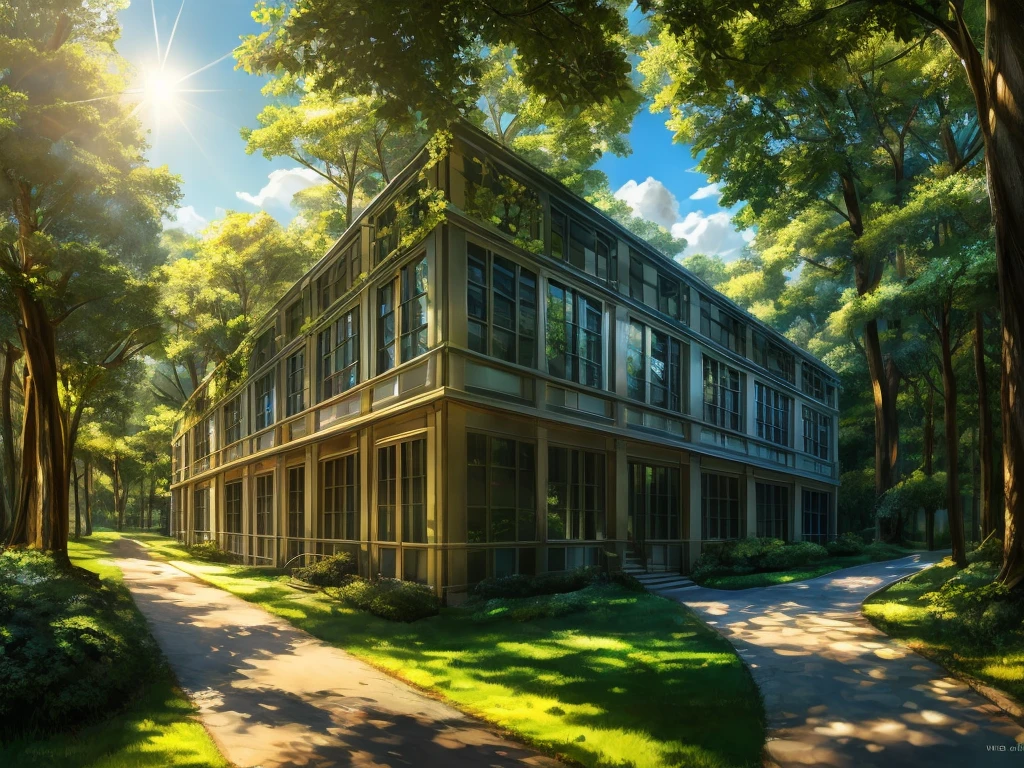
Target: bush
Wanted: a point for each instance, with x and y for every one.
(533, 608)
(333, 571)
(391, 599)
(882, 550)
(209, 551)
(846, 545)
(71, 649)
(518, 586)
(793, 556)
(990, 551)
(973, 603)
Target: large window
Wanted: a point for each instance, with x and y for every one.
(816, 516)
(296, 509)
(263, 350)
(407, 462)
(502, 304)
(658, 289)
(654, 367)
(721, 514)
(413, 310)
(264, 506)
(772, 511)
(500, 490)
(816, 384)
(201, 513)
(817, 433)
(576, 494)
(574, 336)
(293, 319)
(654, 502)
(411, 315)
(295, 376)
(233, 420)
(583, 246)
(233, 507)
(201, 438)
(723, 395)
(338, 350)
(771, 414)
(774, 358)
(341, 276)
(263, 401)
(339, 498)
(502, 201)
(722, 327)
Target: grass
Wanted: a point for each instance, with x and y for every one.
(812, 571)
(155, 730)
(625, 679)
(906, 611)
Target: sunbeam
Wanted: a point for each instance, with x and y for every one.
(156, 31)
(205, 67)
(170, 40)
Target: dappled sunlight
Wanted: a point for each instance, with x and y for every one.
(840, 693)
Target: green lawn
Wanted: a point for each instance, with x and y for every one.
(812, 571)
(961, 643)
(628, 679)
(155, 730)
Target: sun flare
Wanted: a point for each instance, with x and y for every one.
(160, 90)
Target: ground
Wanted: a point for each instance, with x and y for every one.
(838, 692)
(159, 729)
(627, 679)
(905, 612)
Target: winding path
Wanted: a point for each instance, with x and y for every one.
(840, 693)
(272, 695)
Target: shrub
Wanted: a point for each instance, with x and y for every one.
(533, 608)
(391, 599)
(333, 571)
(518, 585)
(882, 550)
(209, 551)
(751, 552)
(793, 556)
(71, 649)
(846, 545)
(974, 604)
(990, 551)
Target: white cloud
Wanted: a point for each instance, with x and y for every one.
(186, 218)
(281, 186)
(711, 190)
(651, 200)
(712, 234)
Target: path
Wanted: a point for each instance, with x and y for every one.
(840, 693)
(272, 695)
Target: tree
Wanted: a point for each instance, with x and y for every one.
(213, 295)
(571, 53)
(76, 190)
(797, 38)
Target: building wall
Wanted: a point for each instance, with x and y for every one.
(453, 390)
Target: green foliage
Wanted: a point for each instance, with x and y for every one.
(210, 552)
(391, 599)
(990, 551)
(880, 550)
(754, 555)
(333, 571)
(519, 585)
(71, 650)
(542, 606)
(918, 491)
(847, 544)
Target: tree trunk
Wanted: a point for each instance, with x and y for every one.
(928, 447)
(88, 498)
(78, 511)
(886, 420)
(1002, 80)
(149, 506)
(118, 508)
(989, 521)
(953, 501)
(10, 464)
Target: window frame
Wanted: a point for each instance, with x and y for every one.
(524, 341)
(716, 497)
(574, 304)
(294, 402)
(261, 420)
(340, 347)
(716, 413)
(339, 501)
(722, 326)
(404, 288)
(577, 511)
(817, 432)
(673, 367)
(523, 509)
(769, 498)
(772, 417)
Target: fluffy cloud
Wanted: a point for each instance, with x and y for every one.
(281, 186)
(712, 234)
(711, 190)
(186, 218)
(650, 200)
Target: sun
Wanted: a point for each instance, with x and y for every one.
(160, 90)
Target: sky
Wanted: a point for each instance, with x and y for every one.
(199, 138)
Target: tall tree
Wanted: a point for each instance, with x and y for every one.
(75, 187)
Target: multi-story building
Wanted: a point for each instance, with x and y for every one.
(486, 375)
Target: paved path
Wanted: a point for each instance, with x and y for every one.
(272, 695)
(840, 693)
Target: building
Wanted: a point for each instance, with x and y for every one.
(486, 375)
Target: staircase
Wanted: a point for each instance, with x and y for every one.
(658, 583)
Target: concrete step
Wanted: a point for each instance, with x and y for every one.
(660, 581)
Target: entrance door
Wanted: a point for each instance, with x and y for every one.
(636, 524)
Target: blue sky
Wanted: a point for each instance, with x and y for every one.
(205, 149)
